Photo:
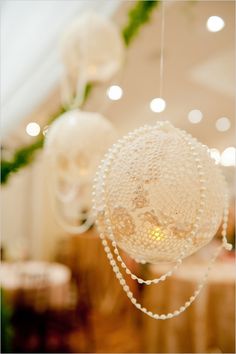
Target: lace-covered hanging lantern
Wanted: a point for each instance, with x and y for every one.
(92, 47)
(161, 191)
(159, 196)
(74, 145)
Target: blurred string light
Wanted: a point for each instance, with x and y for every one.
(228, 156)
(195, 116)
(114, 92)
(157, 105)
(223, 124)
(215, 24)
(32, 129)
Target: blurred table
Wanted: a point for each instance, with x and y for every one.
(40, 285)
(85, 256)
(208, 324)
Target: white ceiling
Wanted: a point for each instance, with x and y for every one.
(216, 73)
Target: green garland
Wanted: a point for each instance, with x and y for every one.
(138, 15)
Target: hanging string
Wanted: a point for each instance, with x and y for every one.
(162, 46)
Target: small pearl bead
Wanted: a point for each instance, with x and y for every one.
(228, 246)
(170, 315)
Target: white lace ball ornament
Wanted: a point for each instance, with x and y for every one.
(74, 145)
(158, 194)
(93, 46)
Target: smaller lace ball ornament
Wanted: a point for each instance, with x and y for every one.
(93, 47)
(158, 194)
(75, 143)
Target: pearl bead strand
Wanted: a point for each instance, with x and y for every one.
(126, 288)
(115, 266)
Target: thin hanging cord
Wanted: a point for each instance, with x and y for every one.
(162, 46)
